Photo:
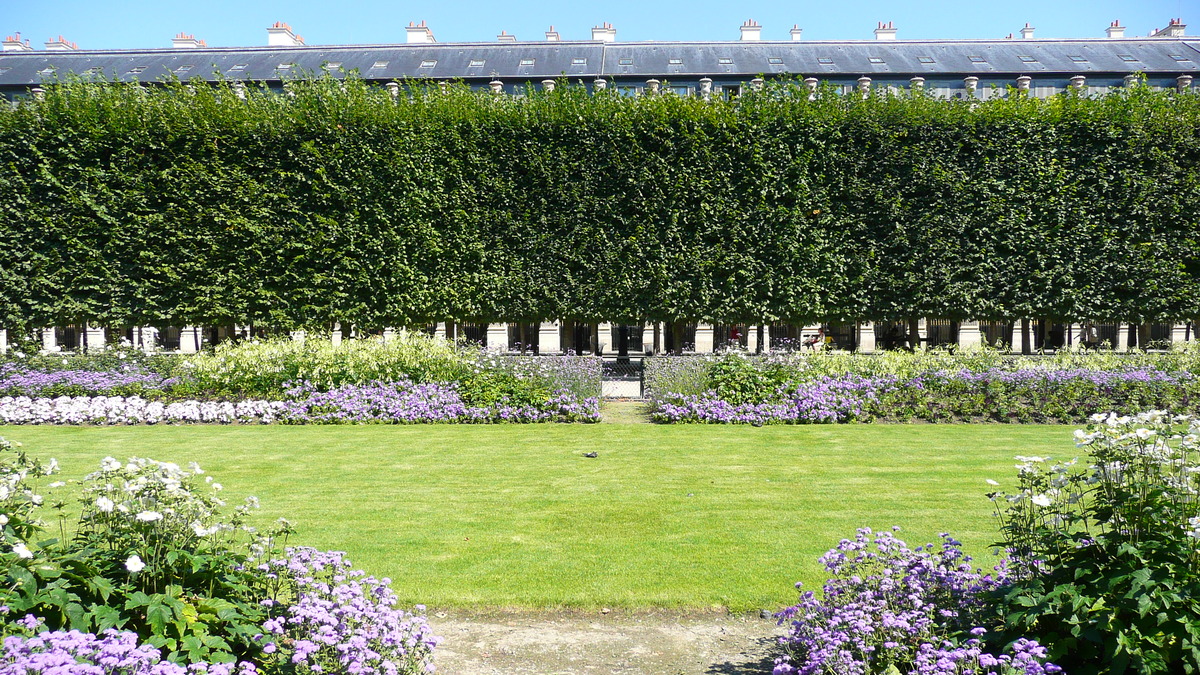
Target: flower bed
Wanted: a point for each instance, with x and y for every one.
(736, 389)
(407, 380)
(379, 403)
(158, 577)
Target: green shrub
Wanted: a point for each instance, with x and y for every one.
(1107, 554)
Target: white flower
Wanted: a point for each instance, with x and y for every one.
(21, 550)
(1041, 500)
(135, 564)
(109, 464)
(3, 520)
(149, 516)
(57, 484)
(105, 504)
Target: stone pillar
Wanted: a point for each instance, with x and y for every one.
(1122, 338)
(335, 336)
(866, 337)
(439, 330)
(189, 338)
(704, 338)
(49, 344)
(298, 336)
(3, 341)
(549, 338)
(604, 340)
(969, 336)
(497, 337)
(752, 339)
(1179, 335)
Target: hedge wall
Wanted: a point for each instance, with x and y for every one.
(185, 204)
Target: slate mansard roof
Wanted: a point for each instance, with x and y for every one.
(516, 62)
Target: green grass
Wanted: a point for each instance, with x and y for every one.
(666, 516)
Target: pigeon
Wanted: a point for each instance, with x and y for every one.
(591, 454)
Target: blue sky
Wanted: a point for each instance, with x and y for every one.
(97, 24)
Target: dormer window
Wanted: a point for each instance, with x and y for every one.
(775, 61)
(526, 62)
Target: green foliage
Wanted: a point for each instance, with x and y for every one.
(1107, 558)
(737, 380)
(184, 204)
(152, 553)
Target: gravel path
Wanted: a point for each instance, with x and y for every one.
(617, 643)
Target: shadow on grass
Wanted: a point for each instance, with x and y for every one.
(759, 661)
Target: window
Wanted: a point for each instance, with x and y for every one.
(476, 63)
(674, 62)
(977, 59)
(874, 59)
(926, 59)
(578, 61)
(625, 62)
(4, 70)
(48, 70)
(237, 67)
(379, 64)
(680, 91)
(526, 62)
(1078, 59)
(731, 91)
(775, 61)
(1027, 59)
(136, 70)
(284, 66)
(184, 68)
(1127, 57)
(428, 63)
(333, 66)
(627, 91)
(1180, 57)
(825, 60)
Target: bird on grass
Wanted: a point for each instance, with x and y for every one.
(591, 454)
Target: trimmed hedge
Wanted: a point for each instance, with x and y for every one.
(184, 204)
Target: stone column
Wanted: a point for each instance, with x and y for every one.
(49, 344)
(440, 330)
(335, 336)
(549, 338)
(969, 336)
(497, 337)
(752, 339)
(388, 334)
(604, 340)
(704, 338)
(189, 338)
(866, 337)
(1179, 334)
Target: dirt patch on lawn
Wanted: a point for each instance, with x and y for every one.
(619, 643)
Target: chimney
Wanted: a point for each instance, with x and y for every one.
(552, 35)
(185, 41)
(1027, 32)
(887, 32)
(751, 30)
(419, 34)
(280, 35)
(1174, 29)
(13, 43)
(604, 33)
(796, 32)
(60, 45)
(505, 37)
(1115, 29)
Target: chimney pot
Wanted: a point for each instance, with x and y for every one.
(751, 30)
(1115, 30)
(13, 43)
(885, 32)
(419, 34)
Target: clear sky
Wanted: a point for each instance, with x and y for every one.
(122, 24)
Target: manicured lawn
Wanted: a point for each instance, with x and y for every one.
(666, 516)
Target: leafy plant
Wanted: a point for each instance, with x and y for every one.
(1106, 554)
